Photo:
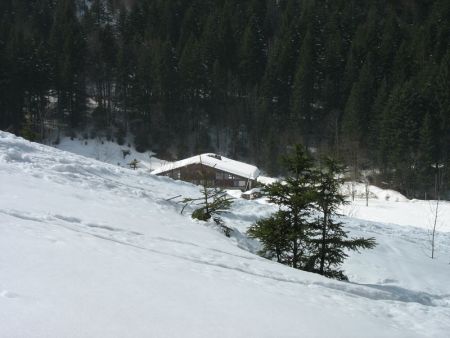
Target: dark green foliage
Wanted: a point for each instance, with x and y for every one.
(295, 197)
(303, 91)
(68, 57)
(251, 56)
(201, 214)
(350, 79)
(213, 202)
(306, 232)
(330, 242)
(120, 136)
(27, 132)
(273, 233)
(142, 140)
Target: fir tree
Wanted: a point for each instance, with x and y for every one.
(252, 58)
(295, 197)
(68, 48)
(274, 234)
(303, 88)
(291, 235)
(330, 242)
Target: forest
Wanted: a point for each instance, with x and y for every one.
(366, 82)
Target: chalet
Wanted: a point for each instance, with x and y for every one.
(212, 170)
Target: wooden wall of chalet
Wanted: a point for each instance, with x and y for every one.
(201, 174)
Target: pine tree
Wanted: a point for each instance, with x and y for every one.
(399, 137)
(13, 57)
(333, 65)
(389, 43)
(68, 51)
(291, 235)
(295, 197)
(252, 58)
(303, 89)
(330, 242)
(356, 120)
(428, 154)
(273, 233)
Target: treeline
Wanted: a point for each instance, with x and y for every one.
(364, 81)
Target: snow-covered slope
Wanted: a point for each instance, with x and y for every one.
(109, 152)
(94, 250)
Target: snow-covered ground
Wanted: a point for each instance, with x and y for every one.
(389, 206)
(90, 249)
(110, 152)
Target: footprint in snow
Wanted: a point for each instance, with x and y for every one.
(389, 281)
(54, 240)
(68, 219)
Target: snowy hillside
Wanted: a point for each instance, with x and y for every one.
(109, 152)
(90, 249)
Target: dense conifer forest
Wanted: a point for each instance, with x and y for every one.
(366, 82)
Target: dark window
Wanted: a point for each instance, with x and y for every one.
(177, 174)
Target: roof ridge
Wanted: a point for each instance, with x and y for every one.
(222, 163)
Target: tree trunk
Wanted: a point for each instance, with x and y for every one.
(295, 254)
(324, 234)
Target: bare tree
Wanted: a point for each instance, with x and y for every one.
(366, 180)
(435, 207)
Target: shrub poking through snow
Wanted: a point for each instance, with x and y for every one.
(212, 203)
(134, 164)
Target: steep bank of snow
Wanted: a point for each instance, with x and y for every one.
(91, 249)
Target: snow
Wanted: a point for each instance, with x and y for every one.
(90, 249)
(359, 190)
(215, 161)
(266, 180)
(389, 206)
(110, 152)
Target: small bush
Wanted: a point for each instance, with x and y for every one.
(201, 214)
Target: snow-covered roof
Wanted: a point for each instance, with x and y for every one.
(214, 161)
